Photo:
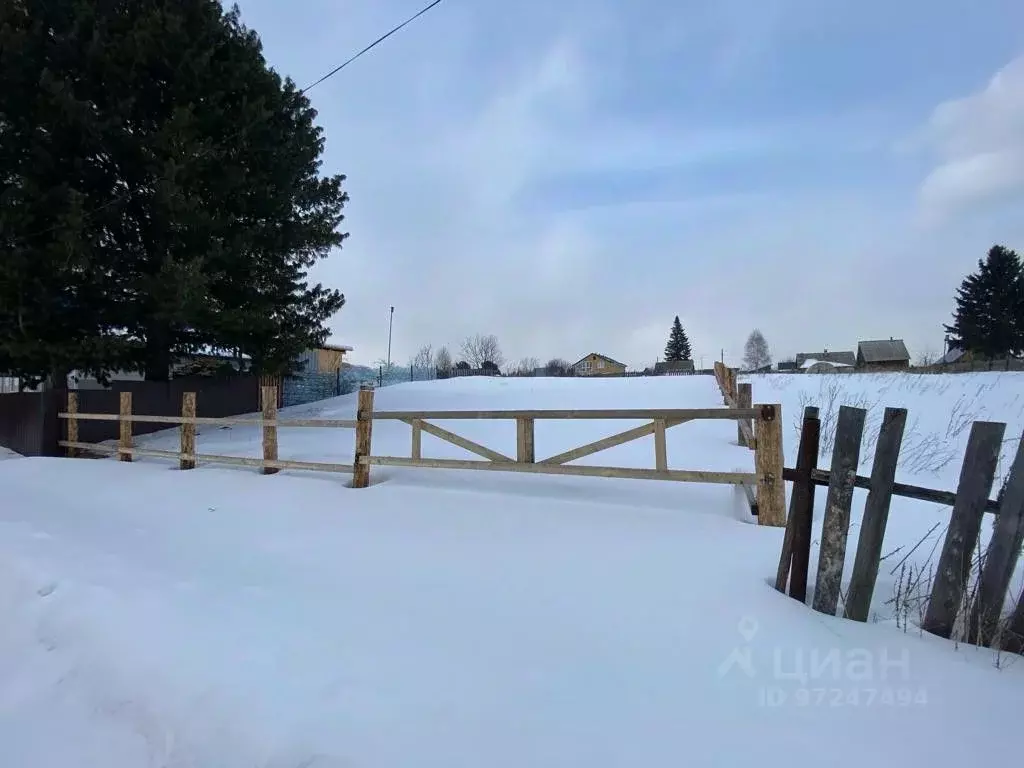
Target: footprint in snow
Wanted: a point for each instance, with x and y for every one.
(47, 589)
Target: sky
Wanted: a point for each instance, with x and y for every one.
(569, 176)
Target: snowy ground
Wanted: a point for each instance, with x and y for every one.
(220, 617)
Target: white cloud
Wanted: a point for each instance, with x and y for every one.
(979, 142)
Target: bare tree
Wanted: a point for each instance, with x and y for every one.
(424, 357)
(480, 349)
(756, 354)
(556, 366)
(443, 361)
(927, 358)
(524, 367)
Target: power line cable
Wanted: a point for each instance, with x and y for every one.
(126, 195)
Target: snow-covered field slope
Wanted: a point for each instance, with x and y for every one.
(219, 617)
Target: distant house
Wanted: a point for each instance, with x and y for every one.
(824, 366)
(673, 368)
(836, 358)
(326, 359)
(882, 355)
(786, 365)
(598, 365)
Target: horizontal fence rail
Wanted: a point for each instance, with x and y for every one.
(212, 420)
(679, 475)
(638, 414)
(822, 477)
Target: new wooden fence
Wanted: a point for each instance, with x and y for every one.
(950, 607)
(765, 482)
(187, 456)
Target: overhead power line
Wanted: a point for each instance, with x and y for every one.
(126, 195)
(372, 45)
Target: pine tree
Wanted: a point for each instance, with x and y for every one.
(172, 201)
(678, 346)
(756, 354)
(989, 315)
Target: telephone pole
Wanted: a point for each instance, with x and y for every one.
(391, 321)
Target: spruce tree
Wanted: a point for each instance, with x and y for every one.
(678, 346)
(989, 315)
(161, 190)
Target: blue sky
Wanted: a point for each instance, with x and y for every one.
(571, 175)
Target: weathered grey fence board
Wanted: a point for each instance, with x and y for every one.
(1013, 638)
(836, 525)
(796, 544)
(976, 476)
(876, 514)
(1001, 556)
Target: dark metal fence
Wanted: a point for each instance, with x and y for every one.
(29, 423)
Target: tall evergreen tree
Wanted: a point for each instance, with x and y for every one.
(160, 190)
(678, 346)
(989, 315)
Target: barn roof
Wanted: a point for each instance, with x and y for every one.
(838, 358)
(884, 351)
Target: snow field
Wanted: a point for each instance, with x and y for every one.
(221, 617)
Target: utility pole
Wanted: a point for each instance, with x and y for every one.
(391, 321)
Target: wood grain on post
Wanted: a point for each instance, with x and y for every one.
(188, 431)
(796, 544)
(876, 514)
(364, 435)
(124, 442)
(836, 523)
(1001, 556)
(768, 463)
(732, 384)
(417, 439)
(269, 396)
(524, 441)
(660, 447)
(976, 476)
(744, 399)
(72, 423)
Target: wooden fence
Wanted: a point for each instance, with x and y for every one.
(186, 455)
(950, 606)
(765, 484)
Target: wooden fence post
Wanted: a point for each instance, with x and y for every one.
(72, 423)
(269, 397)
(188, 431)
(1000, 557)
(417, 439)
(976, 476)
(768, 463)
(876, 515)
(524, 441)
(744, 399)
(836, 525)
(796, 544)
(364, 434)
(124, 444)
(660, 446)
